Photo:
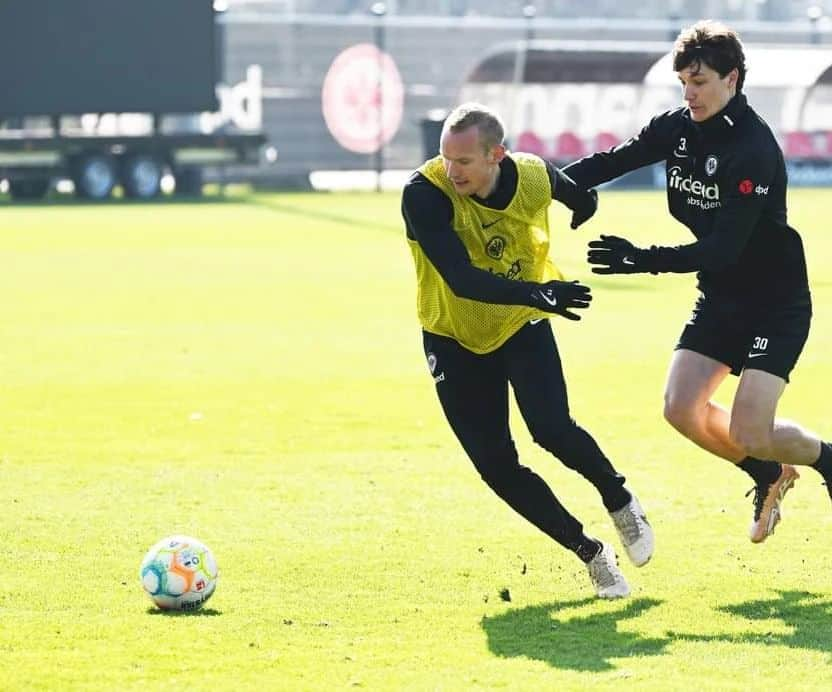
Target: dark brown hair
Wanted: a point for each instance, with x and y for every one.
(711, 43)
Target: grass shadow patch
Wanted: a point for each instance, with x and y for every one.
(582, 643)
(318, 214)
(199, 613)
(808, 615)
(115, 202)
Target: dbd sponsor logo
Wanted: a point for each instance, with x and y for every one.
(688, 184)
(746, 187)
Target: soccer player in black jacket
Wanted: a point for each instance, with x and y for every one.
(726, 181)
(478, 228)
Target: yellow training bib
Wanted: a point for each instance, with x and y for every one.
(511, 242)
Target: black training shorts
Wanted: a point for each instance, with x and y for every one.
(742, 335)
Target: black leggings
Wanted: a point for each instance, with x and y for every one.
(473, 391)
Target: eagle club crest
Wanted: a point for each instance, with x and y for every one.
(495, 247)
(710, 165)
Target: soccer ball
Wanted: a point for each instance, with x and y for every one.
(179, 573)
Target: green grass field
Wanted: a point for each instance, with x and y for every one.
(249, 371)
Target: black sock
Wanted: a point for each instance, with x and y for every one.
(824, 463)
(587, 549)
(617, 500)
(763, 472)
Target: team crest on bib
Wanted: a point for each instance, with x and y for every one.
(710, 165)
(495, 247)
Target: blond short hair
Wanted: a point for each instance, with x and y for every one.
(489, 124)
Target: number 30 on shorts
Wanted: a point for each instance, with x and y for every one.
(760, 343)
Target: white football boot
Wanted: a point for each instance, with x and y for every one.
(635, 532)
(605, 575)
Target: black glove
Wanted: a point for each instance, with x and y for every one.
(559, 297)
(585, 209)
(619, 256)
(583, 203)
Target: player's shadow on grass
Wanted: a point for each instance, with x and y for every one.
(808, 615)
(582, 643)
(70, 201)
(319, 215)
(200, 613)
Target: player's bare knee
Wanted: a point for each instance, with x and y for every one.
(753, 441)
(679, 415)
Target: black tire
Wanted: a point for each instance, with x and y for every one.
(31, 188)
(141, 176)
(188, 182)
(94, 176)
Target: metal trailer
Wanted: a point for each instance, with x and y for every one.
(64, 65)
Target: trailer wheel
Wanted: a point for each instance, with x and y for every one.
(94, 176)
(30, 188)
(188, 182)
(141, 176)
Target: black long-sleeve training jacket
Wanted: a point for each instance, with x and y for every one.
(726, 181)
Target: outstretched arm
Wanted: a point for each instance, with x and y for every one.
(649, 146)
(742, 204)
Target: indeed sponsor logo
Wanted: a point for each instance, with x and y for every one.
(688, 184)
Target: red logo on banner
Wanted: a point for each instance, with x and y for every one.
(363, 98)
(746, 187)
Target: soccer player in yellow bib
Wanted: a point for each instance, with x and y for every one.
(478, 227)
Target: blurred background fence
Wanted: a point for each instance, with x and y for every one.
(569, 77)
(360, 88)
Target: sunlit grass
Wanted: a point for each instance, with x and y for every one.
(250, 372)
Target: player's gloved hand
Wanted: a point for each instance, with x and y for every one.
(560, 297)
(616, 255)
(584, 209)
(583, 203)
